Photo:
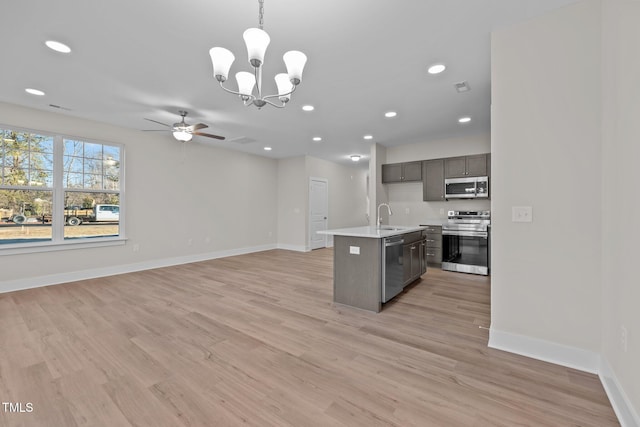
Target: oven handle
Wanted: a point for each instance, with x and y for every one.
(481, 234)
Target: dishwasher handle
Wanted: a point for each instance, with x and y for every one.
(390, 242)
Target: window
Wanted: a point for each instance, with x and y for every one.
(56, 190)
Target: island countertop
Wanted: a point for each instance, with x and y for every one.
(373, 232)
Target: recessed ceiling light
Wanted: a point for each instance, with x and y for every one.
(368, 137)
(436, 69)
(267, 148)
(57, 46)
(308, 107)
(464, 119)
(355, 158)
(390, 114)
(317, 139)
(34, 91)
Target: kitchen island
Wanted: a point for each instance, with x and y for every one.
(371, 265)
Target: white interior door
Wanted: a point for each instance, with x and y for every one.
(318, 212)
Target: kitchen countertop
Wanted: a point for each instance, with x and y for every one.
(373, 232)
(435, 222)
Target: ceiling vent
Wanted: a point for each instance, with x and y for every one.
(462, 87)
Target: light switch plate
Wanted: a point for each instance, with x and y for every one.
(354, 250)
(521, 214)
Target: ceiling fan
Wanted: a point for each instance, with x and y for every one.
(184, 132)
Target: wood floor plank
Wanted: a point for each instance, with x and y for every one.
(256, 340)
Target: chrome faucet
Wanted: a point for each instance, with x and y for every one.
(379, 222)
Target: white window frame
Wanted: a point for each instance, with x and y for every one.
(58, 190)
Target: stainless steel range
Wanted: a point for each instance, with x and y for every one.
(465, 242)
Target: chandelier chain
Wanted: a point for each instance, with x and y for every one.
(261, 14)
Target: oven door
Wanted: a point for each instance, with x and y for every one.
(465, 251)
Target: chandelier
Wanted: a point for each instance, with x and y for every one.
(250, 84)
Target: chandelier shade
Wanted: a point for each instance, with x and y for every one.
(246, 82)
(295, 62)
(250, 83)
(285, 87)
(221, 59)
(257, 41)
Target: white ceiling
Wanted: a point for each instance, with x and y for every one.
(133, 59)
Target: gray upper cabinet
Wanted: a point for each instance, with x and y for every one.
(433, 180)
(402, 172)
(392, 173)
(412, 171)
(466, 166)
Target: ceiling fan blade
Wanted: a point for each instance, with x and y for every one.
(195, 127)
(160, 123)
(154, 130)
(209, 135)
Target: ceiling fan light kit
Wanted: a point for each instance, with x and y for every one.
(257, 41)
(182, 136)
(184, 132)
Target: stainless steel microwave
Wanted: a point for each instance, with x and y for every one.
(466, 188)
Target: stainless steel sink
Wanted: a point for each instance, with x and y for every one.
(391, 228)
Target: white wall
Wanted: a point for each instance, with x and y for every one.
(346, 191)
(377, 190)
(292, 203)
(565, 141)
(187, 202)
(440, 148)
(174, 193)
(546, 154)
(621, 207)
(406, 199)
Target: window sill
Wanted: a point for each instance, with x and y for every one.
(36, 247)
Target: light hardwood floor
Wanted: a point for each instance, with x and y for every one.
(256, 340)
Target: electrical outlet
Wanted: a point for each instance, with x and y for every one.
(354, 250)
(407, 211)
(441, 211)
(624, 338)
(189, 242)
(136, 247)
(207, 240)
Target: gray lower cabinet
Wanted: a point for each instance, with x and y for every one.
(433, 253)
(433, 180)
(402, 172)
(413, 257)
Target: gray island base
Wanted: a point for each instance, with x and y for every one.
(371, 265)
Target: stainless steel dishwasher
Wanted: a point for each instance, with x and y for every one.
(392, 268)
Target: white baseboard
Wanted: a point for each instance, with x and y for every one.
(54, 279)
(621, 404)
(570, 357)
(297, 248)
(547, 351)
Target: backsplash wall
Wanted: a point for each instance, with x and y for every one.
(408, 207)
